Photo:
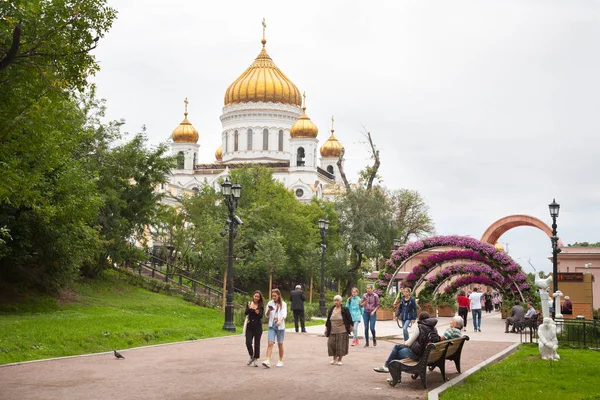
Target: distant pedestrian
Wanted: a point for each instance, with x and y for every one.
(356, 311)
(254, 313)
(337, 329)
(407, 310)
(297, 297)
(277, 312)
(488, 301)
(370, 304)
(463, 307)
(475, 299)
(496, 302)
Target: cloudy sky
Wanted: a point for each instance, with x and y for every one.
(487, 108)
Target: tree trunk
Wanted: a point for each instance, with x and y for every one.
(270, 284)
(311, 287)
(339, 284)
(353, 271)
(376, 163)
(340, 164)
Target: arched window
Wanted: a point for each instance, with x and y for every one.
(249, 139)
(280, 145)
(330, 169)
(180, 160)
(265, 139)
(195, 190)
(300, 162)
(236, 137)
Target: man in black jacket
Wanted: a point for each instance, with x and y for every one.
(297, 297)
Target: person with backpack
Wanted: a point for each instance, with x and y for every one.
(407, 310)
(416, 343)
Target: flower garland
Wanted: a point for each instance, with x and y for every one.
(461, 269)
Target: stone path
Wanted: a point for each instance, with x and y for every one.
(216, 369)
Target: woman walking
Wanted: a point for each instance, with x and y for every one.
(276, 311)
(254, 313)
(356, 311)
(463, 307)
(337, 330)
(370, 303)
(407, 310)
(487, 297)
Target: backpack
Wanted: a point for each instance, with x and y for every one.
(433, 337)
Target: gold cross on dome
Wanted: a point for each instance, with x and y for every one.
(264, 24)
(332, 123)
(304, 99)
(186, 104)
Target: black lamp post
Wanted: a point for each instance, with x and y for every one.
(231, 193)
(554, 209)
(323, 226)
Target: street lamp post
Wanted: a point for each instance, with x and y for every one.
(323, 226)
(231, 193)
(554, 209)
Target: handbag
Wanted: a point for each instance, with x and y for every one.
(245, 325)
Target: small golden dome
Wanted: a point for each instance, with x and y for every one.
(185, 132)
(304, 127)
(499, 247)
(219, 153)
(331, 147)
(263, 82)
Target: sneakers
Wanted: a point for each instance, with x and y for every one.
(333, 362)
(279, 363)
(338, 363)
(374, 341)
(250, 361)
(255, 363)
(266, 364)
(354, 343)
(382, 369)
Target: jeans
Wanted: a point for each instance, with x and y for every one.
(369, 322)
(299, 314)
(355, 330)
(476, 319)
(399, 352)
(405, 329)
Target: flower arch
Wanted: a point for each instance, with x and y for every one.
(472, 249)
(468, 280)
(434, 282)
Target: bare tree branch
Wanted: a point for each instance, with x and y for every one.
(373, 170)
(340, 164)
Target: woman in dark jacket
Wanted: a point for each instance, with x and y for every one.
(338, 328)
(254, 313)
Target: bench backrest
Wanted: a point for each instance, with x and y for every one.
(437, 351)
(455, 345)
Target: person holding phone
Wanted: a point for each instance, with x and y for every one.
(276, 312)
(370, 304)
(254, 312)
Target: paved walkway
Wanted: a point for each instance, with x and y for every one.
(216, 369)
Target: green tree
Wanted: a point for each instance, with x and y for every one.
(584, 244)
(271, 254)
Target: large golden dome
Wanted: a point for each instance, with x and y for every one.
(185, 132)
(263, 82)
(304, 127)
(219, 153)
(331, 147)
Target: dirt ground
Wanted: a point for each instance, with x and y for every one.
(216, 369)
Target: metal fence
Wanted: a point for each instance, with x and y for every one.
(583, 334)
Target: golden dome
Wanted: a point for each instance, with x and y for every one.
(331, 147)
(219, 153)
(499, 247)
(185, 132)
(304, 127)
(263, 82)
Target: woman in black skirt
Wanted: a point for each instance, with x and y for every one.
(338, 328)
(254, 313)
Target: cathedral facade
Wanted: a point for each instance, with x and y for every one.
(264, 122)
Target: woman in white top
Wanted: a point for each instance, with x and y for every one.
(277, 312)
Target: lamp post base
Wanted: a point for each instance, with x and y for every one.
(230, 327)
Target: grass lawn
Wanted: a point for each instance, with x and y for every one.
(97, 316)
(524, 375)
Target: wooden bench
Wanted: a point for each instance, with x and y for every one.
(434, 355)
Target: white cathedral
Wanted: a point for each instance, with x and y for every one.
(264, 123)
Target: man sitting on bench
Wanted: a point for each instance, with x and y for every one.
(416, 343)
(454, 332)
(517, 315)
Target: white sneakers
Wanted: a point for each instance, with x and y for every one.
(280, 363)
(267, 364)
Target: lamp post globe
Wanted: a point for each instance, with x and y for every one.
(554, 208)
(231, 194)
(323, 226)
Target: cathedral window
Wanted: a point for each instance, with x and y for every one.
(236, 137)
(330, 169)
(280, 146)
(249, 139)
(265, 139)
(180, 160)
(300, 161)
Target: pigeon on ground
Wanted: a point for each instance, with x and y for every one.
(118, 355)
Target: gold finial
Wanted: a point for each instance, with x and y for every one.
(303, 100)
(332, 130)
(264, 40)
(186, 104)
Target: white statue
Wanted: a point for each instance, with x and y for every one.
(557, 309)
(542, 284)
(547, 341)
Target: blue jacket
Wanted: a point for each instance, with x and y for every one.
(407, 309)
(356, 311)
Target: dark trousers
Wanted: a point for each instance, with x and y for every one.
(253, 331)
(463, 312)
(299, 314)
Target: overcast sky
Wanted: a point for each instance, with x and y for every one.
(487, 108)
